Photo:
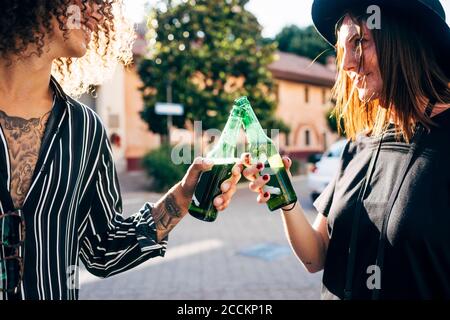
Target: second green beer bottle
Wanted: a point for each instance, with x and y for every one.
(262, 149)
(224, 157)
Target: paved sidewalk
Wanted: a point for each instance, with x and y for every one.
(204, 260)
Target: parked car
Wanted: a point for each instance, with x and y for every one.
(323, 171)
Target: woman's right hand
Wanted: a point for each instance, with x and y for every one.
(258, 181)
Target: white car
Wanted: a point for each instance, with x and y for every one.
(323, 171)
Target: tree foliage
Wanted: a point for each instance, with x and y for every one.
(304, 42)
(210, 52)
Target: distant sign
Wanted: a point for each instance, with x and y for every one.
(169, 109)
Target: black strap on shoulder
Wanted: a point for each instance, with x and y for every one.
(356, 218)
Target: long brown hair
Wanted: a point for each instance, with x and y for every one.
(411, 76)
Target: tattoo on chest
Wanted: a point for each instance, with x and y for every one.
(24, 141)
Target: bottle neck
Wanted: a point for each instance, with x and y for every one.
(259, 145)
(253, 129)
(226, 146)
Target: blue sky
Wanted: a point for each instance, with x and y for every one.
(273, 15)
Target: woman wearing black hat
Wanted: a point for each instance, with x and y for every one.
(382, 231)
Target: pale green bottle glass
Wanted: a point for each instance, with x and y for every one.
(262, 149)
(224, 157)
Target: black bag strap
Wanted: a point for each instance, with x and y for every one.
(355, 224)
(356, 217)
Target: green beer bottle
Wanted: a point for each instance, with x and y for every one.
(224, 157)
(262, 149)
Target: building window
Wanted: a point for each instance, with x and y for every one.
(307, 138)
(306, 94)
(324, 96)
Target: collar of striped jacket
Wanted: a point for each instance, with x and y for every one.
(52, 129)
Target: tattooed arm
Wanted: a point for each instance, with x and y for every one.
(168, 212)
(174, 205)
(111, 243)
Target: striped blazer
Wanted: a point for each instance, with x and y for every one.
(73, 208)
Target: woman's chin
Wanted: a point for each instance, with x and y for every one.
(77, 52)
(74, 48)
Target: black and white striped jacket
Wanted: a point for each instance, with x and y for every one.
(73, 208)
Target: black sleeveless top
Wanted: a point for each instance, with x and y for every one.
(417, 254)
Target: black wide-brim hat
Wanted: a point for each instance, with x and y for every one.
(429, 13)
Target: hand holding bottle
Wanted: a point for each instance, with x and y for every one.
(228, 187)
(262, 149)
(223, 174)
(258, 180)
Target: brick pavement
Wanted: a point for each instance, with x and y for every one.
(204, 262)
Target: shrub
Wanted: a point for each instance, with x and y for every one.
(159, 165)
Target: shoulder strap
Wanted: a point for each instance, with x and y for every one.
(355, 224)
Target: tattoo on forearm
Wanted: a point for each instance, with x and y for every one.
(172, 207)
(166, 214)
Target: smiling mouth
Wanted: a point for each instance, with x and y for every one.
(360, 79)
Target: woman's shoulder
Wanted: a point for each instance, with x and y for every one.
(87, 121)
(440, 109)
(441, 117)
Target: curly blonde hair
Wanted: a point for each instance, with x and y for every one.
(111, 43)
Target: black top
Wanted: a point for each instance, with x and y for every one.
(417, 254)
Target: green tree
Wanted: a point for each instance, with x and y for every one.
(304, 42)
(208, 52)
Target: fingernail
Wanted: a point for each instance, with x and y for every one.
(266, 177)
(208, 162)
(225, 186)
(266, 194)
(259, 166)
(218, 201)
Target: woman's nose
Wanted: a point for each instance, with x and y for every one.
(349, 61)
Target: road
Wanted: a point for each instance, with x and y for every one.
(242, 255)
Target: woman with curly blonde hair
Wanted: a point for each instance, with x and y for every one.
(59, 193)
